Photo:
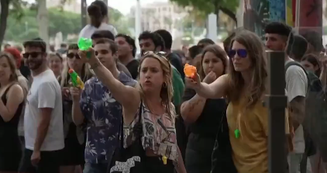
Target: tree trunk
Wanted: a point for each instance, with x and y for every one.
(3, 19)
(84, 14)
(228, 12)
(43, 21)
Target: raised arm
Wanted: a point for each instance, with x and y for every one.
(193, 104)
(128, 96)
(215, 90)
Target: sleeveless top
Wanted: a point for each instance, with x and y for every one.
(159, 133)
(9, 130)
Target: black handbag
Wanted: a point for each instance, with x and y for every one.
(222, 152)
(130, 159)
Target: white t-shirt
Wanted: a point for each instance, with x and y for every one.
(45, 92)
(88, 30)
(297, 85)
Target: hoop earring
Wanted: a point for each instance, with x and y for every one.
(164, 85)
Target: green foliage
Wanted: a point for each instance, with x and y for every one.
(117, 19)
(26, 27)
(210, 6)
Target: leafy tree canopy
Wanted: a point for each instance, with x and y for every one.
(211, 6)
(26, 26)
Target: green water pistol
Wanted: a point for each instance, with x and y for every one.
(76, 80)
(85, 44)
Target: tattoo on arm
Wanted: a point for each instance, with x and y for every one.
(195, 102)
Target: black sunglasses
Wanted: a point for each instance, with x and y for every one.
(240, 52)
(72, 55)
(32, 54)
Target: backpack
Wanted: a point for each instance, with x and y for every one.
(315, 122)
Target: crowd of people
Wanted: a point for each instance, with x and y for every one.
(144, 115)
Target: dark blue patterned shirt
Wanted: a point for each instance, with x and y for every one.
(104, 119)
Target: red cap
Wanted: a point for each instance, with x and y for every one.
(70, 70)
(16, 54)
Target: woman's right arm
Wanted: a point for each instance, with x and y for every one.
(191, 109)
(193, 104)
(215, 90)
(77, 115)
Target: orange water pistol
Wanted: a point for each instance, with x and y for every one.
(190, 71)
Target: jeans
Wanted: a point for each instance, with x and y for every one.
(95, 167)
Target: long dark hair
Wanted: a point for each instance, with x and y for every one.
(255, 50)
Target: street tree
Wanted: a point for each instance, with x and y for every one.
(12, 6)
(228, 7)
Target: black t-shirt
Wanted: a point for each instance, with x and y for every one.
(207, 123)
(132, 66)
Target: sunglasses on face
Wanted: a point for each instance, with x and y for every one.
(72, 55)
(32, 54)
(240, 52)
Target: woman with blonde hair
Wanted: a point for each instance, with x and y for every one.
(11, 106)
(148, 105)
(244, 86)
(73, 157)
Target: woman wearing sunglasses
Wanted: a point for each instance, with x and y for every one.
(244, 86)
(148, 105)
(73, 156)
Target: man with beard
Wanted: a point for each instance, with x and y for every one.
(127, 52)
(43, 119)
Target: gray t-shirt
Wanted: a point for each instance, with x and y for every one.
(296, 85)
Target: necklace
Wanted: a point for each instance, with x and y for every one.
(237, 130)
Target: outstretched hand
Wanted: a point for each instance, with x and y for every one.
(88, 56)
(193, 83)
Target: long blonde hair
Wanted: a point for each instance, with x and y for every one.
(166, 93)
(256, 54)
